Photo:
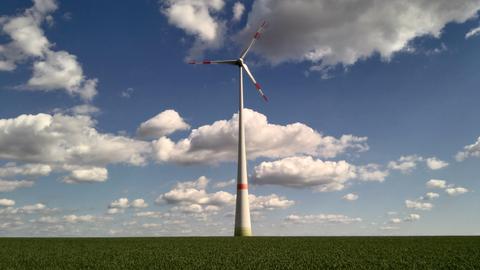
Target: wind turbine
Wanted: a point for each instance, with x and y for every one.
(242, 212)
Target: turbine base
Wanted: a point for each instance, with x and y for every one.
(243, 232)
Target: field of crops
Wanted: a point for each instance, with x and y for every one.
(245, 253)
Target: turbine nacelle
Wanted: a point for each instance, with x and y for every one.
(240, 61)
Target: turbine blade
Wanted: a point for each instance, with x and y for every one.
(208, 62)
(254, 39)
(257, 85)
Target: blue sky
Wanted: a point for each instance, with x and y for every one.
(106, 131)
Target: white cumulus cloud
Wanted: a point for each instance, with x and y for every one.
(431, 195)
(218, 142)
(32, 208)
(84, 109)
(150, 214)
(52, 70)
(87, 175)
(198, 19)
(7, 202)
(395, 220)
(412, 217)
(321, 219)
(12, 169)
(194, 193)
(405, 164)
(408, 218)
(224, 184)
(120, 203)
(305, 171)
(61, 71)
(76, 219)
(139, 203)
(164, 123)
(119, 206)
(418, 205)
(343, 32)
(436, 183)
(435, 164)
(472, 33)
(114, 211)
(65, 143)
(11, 185)
(472, 150)
(269, 202)
(350, 197)
(454, 191)
(238, 9)
(191, 197)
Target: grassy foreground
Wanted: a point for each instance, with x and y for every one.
(245, 253)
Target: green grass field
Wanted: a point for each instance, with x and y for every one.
(244, 253)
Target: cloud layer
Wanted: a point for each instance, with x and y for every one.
(11, 185)
(198, 19)
(118, 206)
(321, 219)
(406, 164)
(343, 32)
(64, 139)
(52, 70)
(46, 143)
(472, 150)
(323, 32)
(191, 197)
(218, 142)
(418, 205)
(305, 171)
(63, 143)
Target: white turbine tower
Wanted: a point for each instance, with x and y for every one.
(242, 212)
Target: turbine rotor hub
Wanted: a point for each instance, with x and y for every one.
(240, 62)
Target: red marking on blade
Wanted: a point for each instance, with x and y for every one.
(264, 24)
(257, 85)
(242, 186)
(265, 98)
(206, 62)
(257, 35)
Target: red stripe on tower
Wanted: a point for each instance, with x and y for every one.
(257, 35)
(242, 186)
(206, 62)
